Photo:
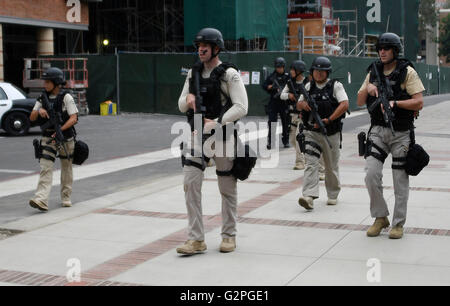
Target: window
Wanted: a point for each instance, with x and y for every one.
(3, 95)
(20, 90)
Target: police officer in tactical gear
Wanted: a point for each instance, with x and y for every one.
(64, 105)
(297, 69)
(274, 84)
(405, 98)
(332, 103)
(225, 99)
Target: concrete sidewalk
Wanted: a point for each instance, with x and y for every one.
(129, 237)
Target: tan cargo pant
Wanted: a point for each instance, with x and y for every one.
(193, 180)
(398, 146)
(331, 163)
(293, 131)
(46, 174)
(299, 156)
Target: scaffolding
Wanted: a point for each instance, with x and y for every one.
(348, 30)
(139, 25)
(318, 36)
(318, 30)
(344, 43)
(75, 74)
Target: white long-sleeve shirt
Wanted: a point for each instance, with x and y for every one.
(231, 85)
(338, 91)
(285, 93)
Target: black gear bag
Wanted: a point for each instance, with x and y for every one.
(416, 158)
(243, 165)
(81, 152)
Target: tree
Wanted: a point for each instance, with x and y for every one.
(444, 37)
(428, 17)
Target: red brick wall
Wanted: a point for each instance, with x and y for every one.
(52, 10)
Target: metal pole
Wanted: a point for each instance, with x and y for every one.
(118, 81)
(300, 42)
(402, 4)
(387, 26)
(356, 25)
(437, 54)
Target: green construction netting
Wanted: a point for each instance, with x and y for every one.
(376, 17)
(238, 19)
(102, 81)
(152, 83)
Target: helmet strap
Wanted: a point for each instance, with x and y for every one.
(297, 74)
(392, 60)
(213, 55)
(54, 86)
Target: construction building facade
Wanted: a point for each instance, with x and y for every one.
(32, 28)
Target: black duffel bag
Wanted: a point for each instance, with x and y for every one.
(81, 152)
(416, 158)
(243, 165)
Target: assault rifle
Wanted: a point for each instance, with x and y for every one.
(384, 92)
(277, 88)
(312, 104)
(200, 108)
(54, 123)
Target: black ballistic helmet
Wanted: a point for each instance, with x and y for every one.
(321, 63)
(55, 75)
(210, 36)
(280, 62)
(390, 40)
(299, 66)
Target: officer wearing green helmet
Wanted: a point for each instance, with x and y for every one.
(406, 99)
(66, 109)
(225, 102)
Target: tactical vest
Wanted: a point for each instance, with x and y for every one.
(403, 118)
(292, 106)
(211, 91)
(281, 80)
(326, 105)
(57, 103)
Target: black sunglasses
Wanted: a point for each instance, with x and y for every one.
(385, 48)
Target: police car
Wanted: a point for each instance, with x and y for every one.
(15, 110)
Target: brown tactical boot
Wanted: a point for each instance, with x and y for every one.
(306, 202)
(38, 205)
(378, 226)
(228, 245)
(396, 232)
(192, 247)
(299, 166)
(66, 204)
(332, 202)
